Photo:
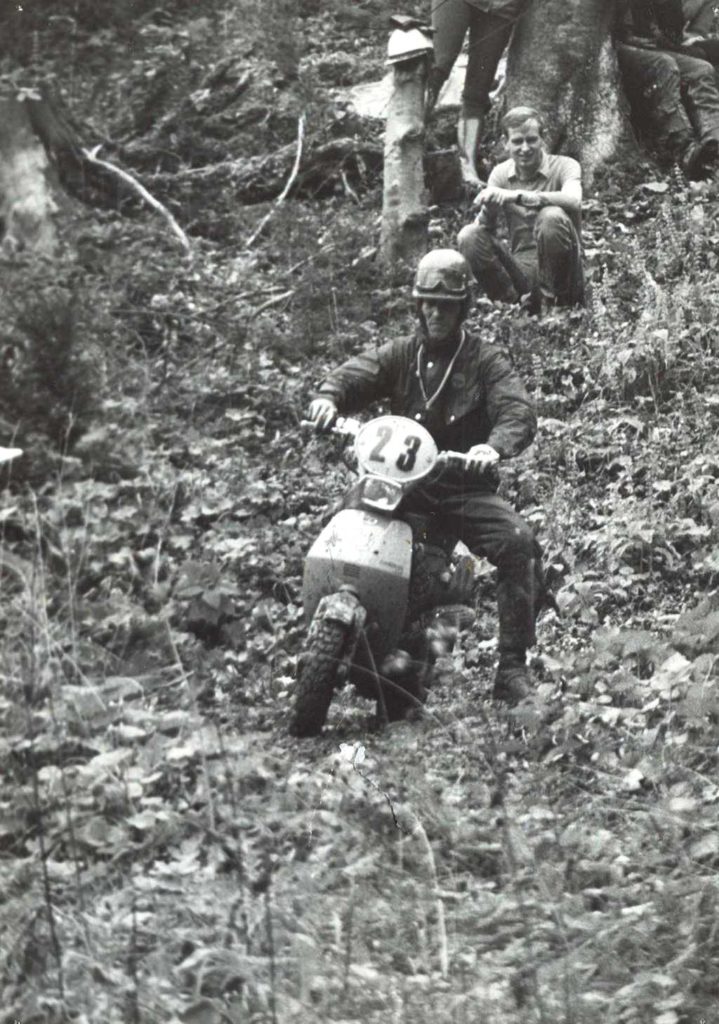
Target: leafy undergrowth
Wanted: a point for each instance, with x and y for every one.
(168, 853)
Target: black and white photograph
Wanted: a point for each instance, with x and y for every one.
(359, 512)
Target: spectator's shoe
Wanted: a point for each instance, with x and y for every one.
(531, 302)
(699, 157)
(709, 156)
(511, 683)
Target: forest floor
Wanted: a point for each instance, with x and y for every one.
(167, 852)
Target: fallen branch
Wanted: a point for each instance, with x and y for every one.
(143, 193)
(271, 302)
(308, 259)
(347, 187)
(261, 179)
(285, 191)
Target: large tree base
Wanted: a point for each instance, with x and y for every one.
(30, 195)
(579, 95)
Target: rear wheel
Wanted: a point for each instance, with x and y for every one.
(317, 676)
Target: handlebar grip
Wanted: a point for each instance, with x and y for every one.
(456, 459)
(459, 460)
(347, 426)
(343, 426)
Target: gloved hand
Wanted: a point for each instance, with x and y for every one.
(481, 457)
(322, 413)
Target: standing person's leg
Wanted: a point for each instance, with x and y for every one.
(488, 37)
(450, 20)
(494, 268)
(559, 256)
(490, 527)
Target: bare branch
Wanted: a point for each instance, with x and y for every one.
(285, 191)
(143, 193)
(272, 302)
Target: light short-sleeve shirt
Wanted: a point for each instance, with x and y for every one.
(553, 173)
(510, 9)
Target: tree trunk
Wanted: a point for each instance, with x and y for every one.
(30, 196)
(562, 62)
(405, 217)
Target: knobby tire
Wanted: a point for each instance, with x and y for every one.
(317, 676)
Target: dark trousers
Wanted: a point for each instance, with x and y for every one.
(554, 268)
(677, 95)
(488, 36)
(491, 528)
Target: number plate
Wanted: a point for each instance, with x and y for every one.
(396, 448)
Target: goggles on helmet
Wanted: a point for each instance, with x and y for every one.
(442, 274)
(441, 283)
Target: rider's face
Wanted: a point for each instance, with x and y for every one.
(525, 147)
(442, 318)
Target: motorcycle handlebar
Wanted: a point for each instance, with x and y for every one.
(343, 426)
(461, 460)
(347, 427)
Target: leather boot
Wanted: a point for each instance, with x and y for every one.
(512, 682)
(698, 159)
(469, 130)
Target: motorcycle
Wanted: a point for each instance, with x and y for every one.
(384, 593)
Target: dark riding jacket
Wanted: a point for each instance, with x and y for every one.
(483, 401)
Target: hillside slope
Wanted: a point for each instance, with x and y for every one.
(167, 852)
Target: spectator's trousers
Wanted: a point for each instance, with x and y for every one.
(676, 95)
(553, 268)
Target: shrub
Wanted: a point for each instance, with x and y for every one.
(52, 368)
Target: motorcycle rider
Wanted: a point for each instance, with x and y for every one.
(466, 393)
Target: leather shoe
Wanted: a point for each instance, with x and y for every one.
(511, 683)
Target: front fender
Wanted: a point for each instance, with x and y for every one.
(343, 607)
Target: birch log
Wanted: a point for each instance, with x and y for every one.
(405, 216)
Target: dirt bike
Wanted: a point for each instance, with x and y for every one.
(384, 592)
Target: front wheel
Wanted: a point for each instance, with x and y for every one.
(317, 676)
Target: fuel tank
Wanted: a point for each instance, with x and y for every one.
(373, 555)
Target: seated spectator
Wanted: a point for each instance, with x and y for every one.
(541, 197)
(675, 92)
